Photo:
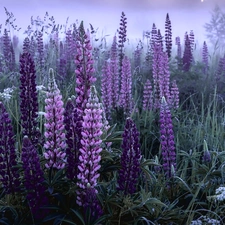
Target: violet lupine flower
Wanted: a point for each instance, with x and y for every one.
(205, 58)
(206, 154)
(73, 127)
(179, 57)
(114, 75)
(137, 55)
(89, 158)
(6, 48)
(168, 36)
(187, 57)
(156, 69)
(174, 95)
(15, 41)
(106, 89)
(92, 206)
(26, 45)
(164, 77)
(40, 57)
(55, 144)
(9, 176)
(122, 39)
(126, 100)
(148, 96)
(34, 178)
(29, 99)
(130, 159)
(167, 140)
(84, 69)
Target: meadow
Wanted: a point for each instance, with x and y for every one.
(98, 130)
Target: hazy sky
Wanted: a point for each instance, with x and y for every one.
(185, 15)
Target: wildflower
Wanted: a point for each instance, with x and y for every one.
(84, 69)
(205, 58)
(168, 35)
(130, 159)
(167, 139)
(54, 127)
(9, 175)
(147, 96)
(29, 98)
(206, 154)
(73, 127)
(125, 100)
(91, 146)
(34, 177)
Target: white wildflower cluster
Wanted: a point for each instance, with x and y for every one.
(204, 220)
(220, 194)
(7, 93)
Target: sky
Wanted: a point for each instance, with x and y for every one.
(185, 15)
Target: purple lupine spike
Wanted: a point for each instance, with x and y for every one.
(205, 58)
(55, 144)
(174, 95)
(26, 45)
(34, 178)
(137, 55)
(147, 96)
(159, 39)
(156, 68)
(9, 176)
(73, 127)
(126, 100)
(92, 204)
(167, 140)
(168, 36)
(130, 159)
(84, 69)
(192, 40)
(33, 47)
(206, 158)
(122, 39)
(6, 48)
(164, 77)
(114, 76)
(187, 57)
(29, 99)
(106, 89)
(90, 157)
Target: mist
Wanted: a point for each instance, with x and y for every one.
(185, 15)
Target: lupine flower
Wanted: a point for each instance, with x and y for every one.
(84, 69)
(125, 100)
(34, 177)
(15, 41)
(91, 146)
(137, 55)
(9, 176)
(147, 96)
(6, 48)
(206, 154)
(187, 57)
(92, 205)
(29, 98)
(220, 70)
(54, 127)
(130, 159)
(106, 88)
(167, 140)
(114, 76)
(156, 68)
(164, 77)
(174, 95)
(73, 127)
(205, 58)
(168, 36)
(122, 39)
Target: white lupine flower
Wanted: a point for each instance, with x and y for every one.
(205, 220)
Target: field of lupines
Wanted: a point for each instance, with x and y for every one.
(96, 131)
